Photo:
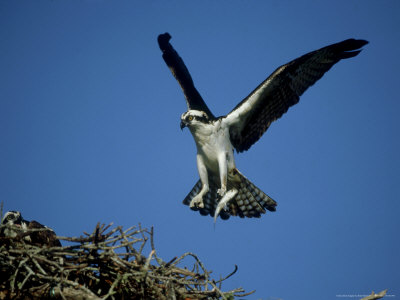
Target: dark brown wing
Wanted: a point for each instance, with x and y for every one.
(182, 75)
(46, 237)
(282, 89)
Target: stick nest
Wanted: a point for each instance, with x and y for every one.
(106, 264)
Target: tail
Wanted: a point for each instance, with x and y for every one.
(249, 201)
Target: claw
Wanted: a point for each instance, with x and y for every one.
(197, 202)
(222, 191)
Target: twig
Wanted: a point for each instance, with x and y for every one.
(146, 266)
(111, 290)
(30, 272)
(227, 276)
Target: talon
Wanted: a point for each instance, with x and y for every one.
(221, 192)
(197, 202)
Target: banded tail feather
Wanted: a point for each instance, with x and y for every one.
(249, 200)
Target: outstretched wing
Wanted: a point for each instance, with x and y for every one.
(182, 75)
(282, 89)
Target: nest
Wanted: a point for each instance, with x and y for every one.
(106, 264)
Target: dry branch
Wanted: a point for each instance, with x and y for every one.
(106, 264)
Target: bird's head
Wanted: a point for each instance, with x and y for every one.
(193, 118)
(12, 218)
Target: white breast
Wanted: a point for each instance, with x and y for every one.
(211, 141)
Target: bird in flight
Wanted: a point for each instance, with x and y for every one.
(222, 189)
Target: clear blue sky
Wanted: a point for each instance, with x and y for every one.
(89, 131)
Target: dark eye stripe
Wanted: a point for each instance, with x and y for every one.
(204, 119)
(198, 118)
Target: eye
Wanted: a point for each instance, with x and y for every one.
(10, 217)
(190, 118)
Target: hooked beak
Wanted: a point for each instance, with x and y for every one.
(183, 124)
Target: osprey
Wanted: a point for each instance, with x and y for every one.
(222, 189)
(14, 225)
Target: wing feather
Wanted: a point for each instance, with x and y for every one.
(182, 75)
(281, 90)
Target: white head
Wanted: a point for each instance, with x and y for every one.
(15, 224)
(193, 118)
(12, 218)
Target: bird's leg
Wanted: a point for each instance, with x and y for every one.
(197, 201)
(223, 173)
